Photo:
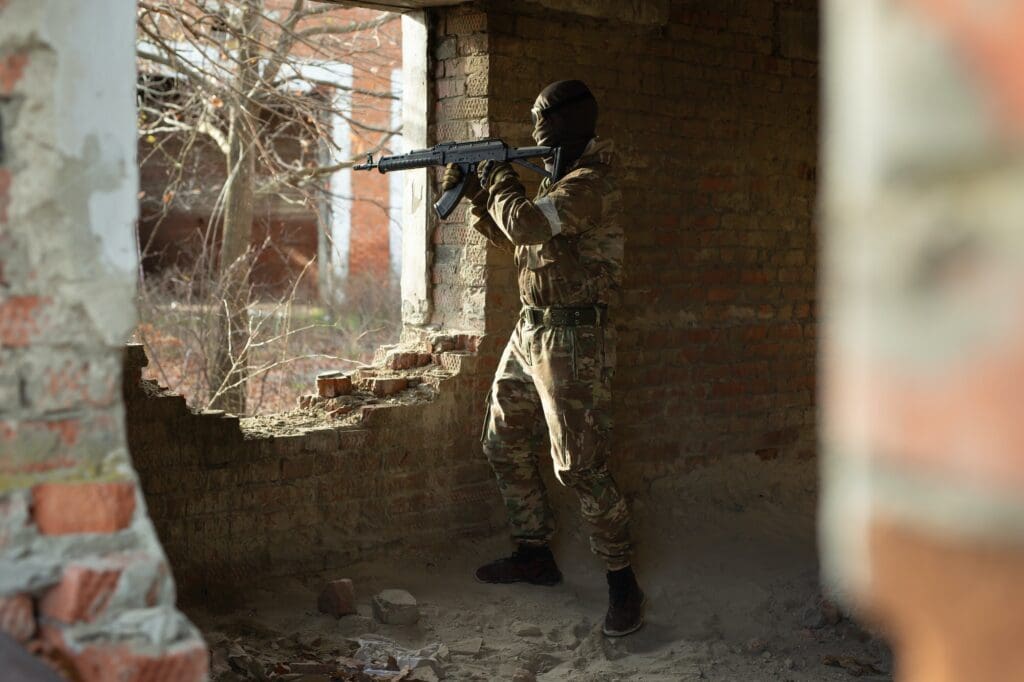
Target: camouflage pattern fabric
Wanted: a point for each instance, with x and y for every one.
(568, 247)
(568, 242)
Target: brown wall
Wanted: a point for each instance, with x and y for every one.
(714, 116)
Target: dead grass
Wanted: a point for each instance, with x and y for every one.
(292, 341)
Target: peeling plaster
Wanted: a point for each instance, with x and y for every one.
(94, 118)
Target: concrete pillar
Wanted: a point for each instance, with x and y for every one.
(81, 570)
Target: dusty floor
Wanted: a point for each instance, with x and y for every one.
(731, 597)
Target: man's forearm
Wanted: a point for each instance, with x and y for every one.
(482, 222)
(519, 219)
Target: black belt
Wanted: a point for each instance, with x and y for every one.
(556, 316)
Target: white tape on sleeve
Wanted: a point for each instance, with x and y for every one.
(547, 207)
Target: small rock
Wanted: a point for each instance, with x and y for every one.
(311, 667)
(812, 618)
(524, 676)
(830, 612)
(396, 607)
(438, 651)
(468, 647)
(425, 669)
(338, 598)
(527, 630)
(756, 645)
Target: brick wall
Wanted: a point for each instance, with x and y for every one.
(714, 116)
(83, 579)
(231, 503)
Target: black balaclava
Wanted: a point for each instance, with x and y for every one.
(564, 115)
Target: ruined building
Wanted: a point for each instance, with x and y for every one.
(121, 511)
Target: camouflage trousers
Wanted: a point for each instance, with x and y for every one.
(558, 378)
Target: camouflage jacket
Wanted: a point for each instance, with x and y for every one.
(568, 241)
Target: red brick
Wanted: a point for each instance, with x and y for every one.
(12, 68)
(19, 319)
(185, 662)
(389, 386)
(17, 617)
(338, 598)
(81, 595)
(62, 508)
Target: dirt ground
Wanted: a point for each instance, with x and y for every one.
(732, 596)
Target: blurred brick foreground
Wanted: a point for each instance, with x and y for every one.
(923, 517)
(83, 577)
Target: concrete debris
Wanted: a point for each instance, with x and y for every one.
(372, 659)
(382, 654)
(338, 598)
(527, 630)
(396, 607)
(467, 647)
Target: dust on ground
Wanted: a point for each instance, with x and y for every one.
(732, 596)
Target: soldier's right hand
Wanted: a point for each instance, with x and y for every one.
(453, 176)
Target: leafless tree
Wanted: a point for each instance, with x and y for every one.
(262, 82)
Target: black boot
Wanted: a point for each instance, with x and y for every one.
(528, 564)
(625, 604)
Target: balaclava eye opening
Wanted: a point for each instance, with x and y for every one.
(565, 115)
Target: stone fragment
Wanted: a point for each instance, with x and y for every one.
(467, 647)
(527, 630)
(424, 669)
(338, 598)
(340, 411)
(523, 675)
(396, 607)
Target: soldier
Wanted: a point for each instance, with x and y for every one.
(557, 368)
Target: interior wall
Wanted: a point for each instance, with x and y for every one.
(713, 110)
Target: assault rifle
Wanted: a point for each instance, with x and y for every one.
(467, 155)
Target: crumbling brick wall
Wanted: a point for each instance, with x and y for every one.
(232, 502)
(83, 579)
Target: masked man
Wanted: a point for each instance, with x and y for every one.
(557, 368)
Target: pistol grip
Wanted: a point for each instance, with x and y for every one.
(450, 199)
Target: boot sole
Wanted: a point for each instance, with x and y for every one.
(623, 633)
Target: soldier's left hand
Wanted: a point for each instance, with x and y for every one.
(492, 172)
